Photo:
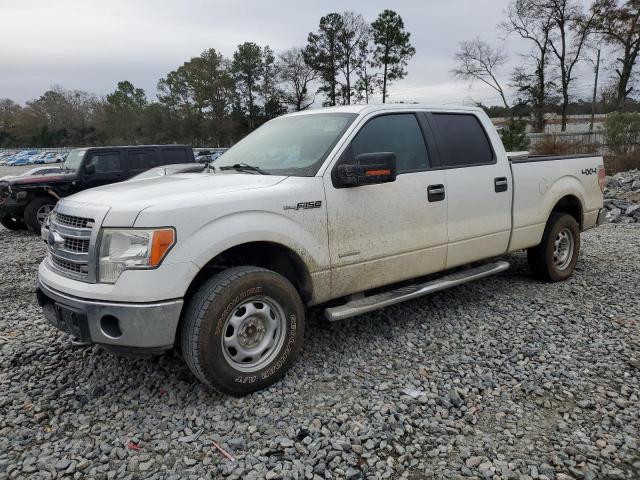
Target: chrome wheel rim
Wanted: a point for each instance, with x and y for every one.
(253, 334)
(43, 212)
(563, 249)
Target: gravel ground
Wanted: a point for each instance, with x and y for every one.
(505, 378)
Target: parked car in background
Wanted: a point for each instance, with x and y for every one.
(171, 170)
(208, 156)
(27, 200)
(49, 157)
(34, 171)
(5, 156)
(35, 159)
(22, 158)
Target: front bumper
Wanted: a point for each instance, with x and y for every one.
(10, 205)
(602, 217)
(148, 326)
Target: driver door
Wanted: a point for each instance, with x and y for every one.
(389, 232)
(105, 166)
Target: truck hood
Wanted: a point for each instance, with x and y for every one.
(51, 177)
(126, 199)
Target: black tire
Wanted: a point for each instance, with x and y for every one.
(548, 263)
(34, 209)
(220, 301)
(12, 223)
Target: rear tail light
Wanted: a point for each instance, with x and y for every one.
(601, 177)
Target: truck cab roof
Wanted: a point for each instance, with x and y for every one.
(364, 109)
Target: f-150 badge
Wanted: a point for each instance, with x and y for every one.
(304, 205)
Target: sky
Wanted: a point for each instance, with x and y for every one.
(91, 45)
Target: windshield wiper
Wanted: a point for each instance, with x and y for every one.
(244, 167)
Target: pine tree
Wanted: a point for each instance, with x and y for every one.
(392, 48)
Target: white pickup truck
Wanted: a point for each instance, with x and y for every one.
(353, 208)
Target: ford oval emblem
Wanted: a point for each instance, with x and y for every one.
(55, 239)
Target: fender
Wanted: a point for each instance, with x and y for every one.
(564, 186)
(206, 243)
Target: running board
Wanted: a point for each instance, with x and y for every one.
(362, 305)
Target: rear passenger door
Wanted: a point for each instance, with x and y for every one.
(478, 188)
(142, 159)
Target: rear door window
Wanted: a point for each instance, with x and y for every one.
(462, 141)
(174, 155)
(141, 160)
(396, 133)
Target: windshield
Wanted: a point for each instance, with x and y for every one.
(295, 145)
(74, 159)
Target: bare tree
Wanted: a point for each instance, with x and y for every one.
(524, 18)
(296, 76)
(571, 29)
(478, 61)
(619, 25)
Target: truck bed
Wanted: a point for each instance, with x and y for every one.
(525, 157)
(541, 181)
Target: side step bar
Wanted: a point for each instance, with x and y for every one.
(362, 305)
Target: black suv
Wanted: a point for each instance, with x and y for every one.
(28, 199)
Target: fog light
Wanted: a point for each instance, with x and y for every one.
(110, 326)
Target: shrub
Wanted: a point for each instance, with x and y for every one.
(564, 145)
(514, 136)
(622, 132)
(621, 163)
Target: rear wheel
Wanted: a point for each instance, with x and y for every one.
(243, 329)
(12, 223)
(36, 212)
(555, 259)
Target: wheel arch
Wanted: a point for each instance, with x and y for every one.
(266, 254)
(571, 205)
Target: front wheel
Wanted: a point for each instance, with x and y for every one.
(11, 223)
(36, 212)
(554, 260)
(243, 329)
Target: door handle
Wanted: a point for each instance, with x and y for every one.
(501, 184)
(435, 193)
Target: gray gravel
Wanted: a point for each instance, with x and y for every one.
(622, 197)
(505, 378)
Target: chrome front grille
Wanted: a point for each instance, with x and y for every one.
(69, 240)
(76, 245)
(74, 222)
(68, 266)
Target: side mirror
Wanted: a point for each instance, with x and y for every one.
(90, 169)
(367, 169)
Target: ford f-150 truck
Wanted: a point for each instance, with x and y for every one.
(350, 208)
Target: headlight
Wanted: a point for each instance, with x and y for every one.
(49, 218)
(124, 249)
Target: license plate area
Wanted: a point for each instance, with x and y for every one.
(72, 321)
